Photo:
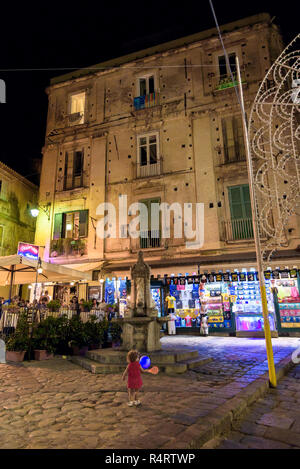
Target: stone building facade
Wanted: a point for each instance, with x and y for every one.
(17, 197)
(159, 125)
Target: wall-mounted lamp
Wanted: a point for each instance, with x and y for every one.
(36, 210)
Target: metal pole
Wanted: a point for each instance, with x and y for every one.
(12, 275)
(272, 373)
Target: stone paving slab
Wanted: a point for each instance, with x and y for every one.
(272, 422)
(56, 404)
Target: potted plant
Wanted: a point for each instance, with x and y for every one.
(78, 336)
(44, 339)
(95, 333)
(17, 343)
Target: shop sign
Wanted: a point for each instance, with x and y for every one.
(284, 274)
(275, 274)
(242, 277)
(219, 277)
(234, 277)
(28, 250)
(293, 273)
(251, 276)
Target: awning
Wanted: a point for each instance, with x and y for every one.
(24, 271)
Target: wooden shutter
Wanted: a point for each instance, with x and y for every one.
(83, 223)
(58, 222)
(236, 203)
(239, 200)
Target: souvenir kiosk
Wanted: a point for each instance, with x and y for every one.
(231, 301)
(214, 294)
(285, 286)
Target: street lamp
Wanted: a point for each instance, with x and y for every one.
(36, 210)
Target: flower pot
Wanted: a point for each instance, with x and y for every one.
(79, 350)
(42, 355)
(14, 356)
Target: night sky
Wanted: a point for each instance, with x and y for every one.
(60, 35)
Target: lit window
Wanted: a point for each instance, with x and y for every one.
(77, 108)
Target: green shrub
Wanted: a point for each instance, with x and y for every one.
(52, 334)
(54, 305)
(19, 340)
(115, 331)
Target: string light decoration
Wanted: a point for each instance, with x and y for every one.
(274, 139)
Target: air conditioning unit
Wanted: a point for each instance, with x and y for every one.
(76, 116)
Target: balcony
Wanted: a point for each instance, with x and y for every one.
(237, 230)
(150, 239)
(148, 170)
(68, 247)
(224, 82)
(147, 101)
(73, 181)
(76, 118)
(234, 154)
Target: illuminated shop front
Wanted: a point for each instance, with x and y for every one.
(285, 286)
(231, 300)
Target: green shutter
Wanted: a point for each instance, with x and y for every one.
(236, 203)
(58, 220)
(83, 223)
(247, 201)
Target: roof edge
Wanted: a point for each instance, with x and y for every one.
(176, 43)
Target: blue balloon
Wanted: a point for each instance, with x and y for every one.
(145, 362)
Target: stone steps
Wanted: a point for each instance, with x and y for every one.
(115, 362)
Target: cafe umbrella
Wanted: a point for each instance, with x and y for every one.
(19, 270)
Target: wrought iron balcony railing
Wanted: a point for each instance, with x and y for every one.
(148, 170)
(238, 229)
(143, 102)
(150, 239)
(234, 153)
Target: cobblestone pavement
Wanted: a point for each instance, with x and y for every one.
(56, 404)
(273, 421)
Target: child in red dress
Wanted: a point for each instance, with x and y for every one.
(134, 382)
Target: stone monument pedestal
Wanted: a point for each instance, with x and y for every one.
(141, 328)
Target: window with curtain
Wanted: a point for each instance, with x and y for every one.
(72, 225)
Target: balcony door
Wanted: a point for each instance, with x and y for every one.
(240, 212)
(151, 237)
(148, 156)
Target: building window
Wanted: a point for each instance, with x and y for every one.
(233, 139)
(148, 156)
(146, 93)
(73, 176)
(150, 238)
(77, 108)
(71, 225)
(223, 69)
(146, 85)
(240, 225)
